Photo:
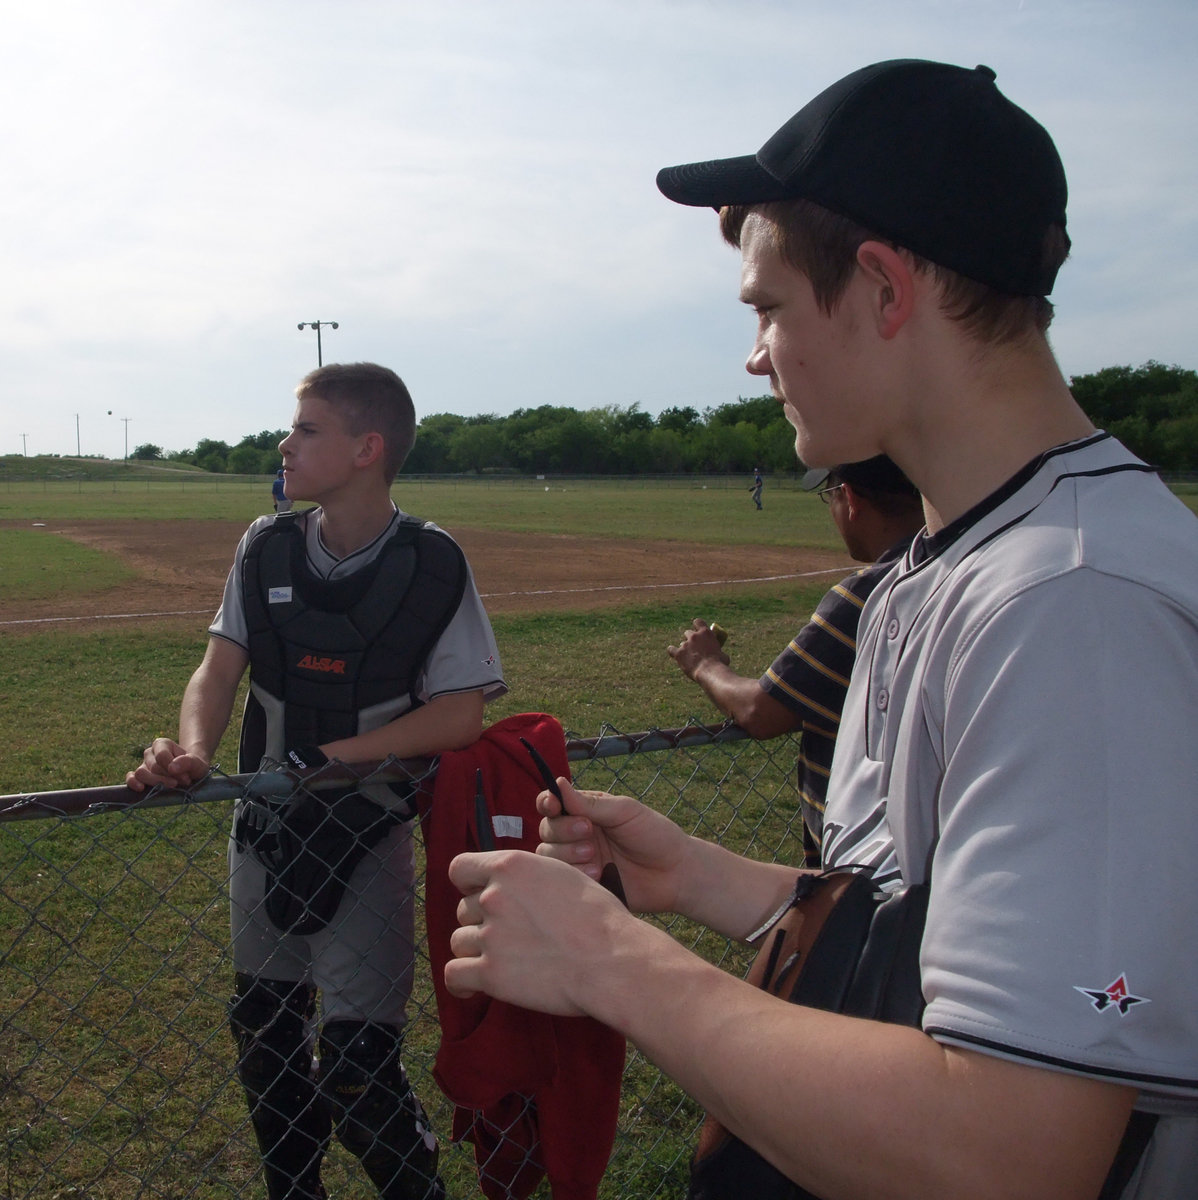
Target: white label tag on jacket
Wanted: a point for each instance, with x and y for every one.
(512, 827)
(278, 595)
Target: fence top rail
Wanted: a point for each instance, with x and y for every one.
(86, 802)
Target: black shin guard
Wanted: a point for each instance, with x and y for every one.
(270, 1020)
(376, 1114)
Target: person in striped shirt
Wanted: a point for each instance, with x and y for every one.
(877, 511)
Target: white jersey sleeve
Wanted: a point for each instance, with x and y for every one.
(229, 622)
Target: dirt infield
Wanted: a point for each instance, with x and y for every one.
(181, 568)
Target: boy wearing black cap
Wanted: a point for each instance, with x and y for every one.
(1018, 732)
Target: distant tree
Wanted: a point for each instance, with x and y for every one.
(478, 445)
(761, 411)
(628, 420)
(680, 420)
(538, 438)
(1152, 409)
(667, 448)
(430, 454)
(626, 446)
(147, 451)
(778, 446)
(243, 460)
(268, 439)
(211, 455)
(1179, 449)
(1149, 391)
(728, 449)
(256, 454)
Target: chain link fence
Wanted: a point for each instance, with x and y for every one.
(117, 1066)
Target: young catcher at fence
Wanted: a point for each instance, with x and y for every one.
(365, 637)
(877, 512)
(1019, 728)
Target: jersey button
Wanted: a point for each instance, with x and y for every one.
(892, 629)
(883, 699)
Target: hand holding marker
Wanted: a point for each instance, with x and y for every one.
(609, 877)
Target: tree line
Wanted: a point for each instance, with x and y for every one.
(1152, 409)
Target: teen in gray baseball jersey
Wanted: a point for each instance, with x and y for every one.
(1019, 725)
(365, 638)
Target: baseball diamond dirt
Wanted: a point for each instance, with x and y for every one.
(180, 569)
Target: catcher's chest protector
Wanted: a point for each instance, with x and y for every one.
(329, 649)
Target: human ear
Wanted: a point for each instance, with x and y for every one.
(893, 285)
(370, 449)
(851, 503)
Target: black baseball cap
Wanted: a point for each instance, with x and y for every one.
(877, 474)
(930, 156)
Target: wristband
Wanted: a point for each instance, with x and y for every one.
(305, 757)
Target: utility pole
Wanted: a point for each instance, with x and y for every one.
(24, 445)
(126, 420)
(78, 452)
(316, 325)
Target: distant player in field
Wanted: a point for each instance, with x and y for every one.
(365, 637)
(877, 512)
(278, 493)
(1018, 732)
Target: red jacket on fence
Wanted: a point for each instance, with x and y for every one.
(538, 1095)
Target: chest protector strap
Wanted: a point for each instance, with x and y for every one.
(326, 651)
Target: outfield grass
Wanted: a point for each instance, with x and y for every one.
(710, 511)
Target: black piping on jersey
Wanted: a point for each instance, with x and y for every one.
(937, 543)
(955, 530)
(344, 566)
(1068, 1064)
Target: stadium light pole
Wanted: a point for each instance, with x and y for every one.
(316, 325)
(126, 420)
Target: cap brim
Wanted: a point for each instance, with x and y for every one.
(719, 182)
(813, 478)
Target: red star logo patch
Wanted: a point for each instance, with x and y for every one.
(1114, 995)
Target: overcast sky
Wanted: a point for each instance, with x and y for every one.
(467, 188)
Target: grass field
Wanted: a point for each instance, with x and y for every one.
(114, 1060)
(687, 510)
(25, 573)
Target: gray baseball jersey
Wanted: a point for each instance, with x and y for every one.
(1021, 729)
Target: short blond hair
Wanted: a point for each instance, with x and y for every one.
(370, 399)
